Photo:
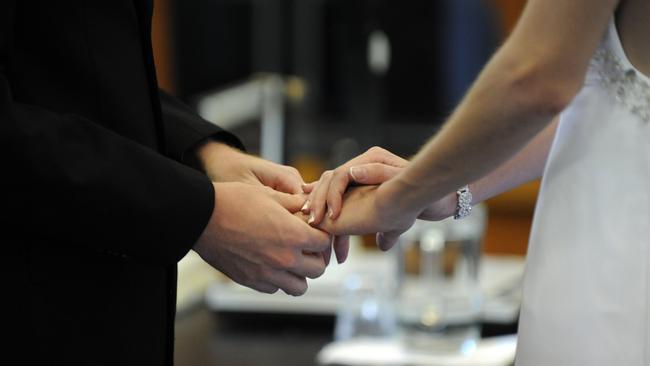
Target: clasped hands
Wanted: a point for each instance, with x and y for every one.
(269, 230)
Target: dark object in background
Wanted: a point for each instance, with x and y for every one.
(220, 42)
(211, 43)
(346, 87)
(435, 48)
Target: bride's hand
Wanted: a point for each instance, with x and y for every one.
(329, 189)
(379, 209)
(369, 210)
(326, 193)
(374, 173)
(375, 167)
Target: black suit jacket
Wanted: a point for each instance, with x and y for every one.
(97, 204)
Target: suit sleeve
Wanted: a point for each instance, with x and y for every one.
(184, 129)
(69, 181)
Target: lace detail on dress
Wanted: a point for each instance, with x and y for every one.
(629, 89)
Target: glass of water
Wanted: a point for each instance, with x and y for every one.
(366, 308)
(439, 297)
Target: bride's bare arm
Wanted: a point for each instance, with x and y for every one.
(377, 166)
(532, 77)
(527, 165)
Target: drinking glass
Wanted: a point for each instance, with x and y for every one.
(439, 297)
(366, 309)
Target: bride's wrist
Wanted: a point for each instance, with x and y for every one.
(404, 196)
(440, 209)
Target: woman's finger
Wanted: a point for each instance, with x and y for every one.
(387, 240)
(308, 189)
(317, 199)
(337, 187)
(367, 174)
(327, 256)
(341, 247)
(372, 173)
(380, 164)
(379, 155)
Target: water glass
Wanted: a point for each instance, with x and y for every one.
(439, 297)
(366, 308)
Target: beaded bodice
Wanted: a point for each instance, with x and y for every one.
(612, 70)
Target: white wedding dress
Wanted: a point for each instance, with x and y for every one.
(587, 283)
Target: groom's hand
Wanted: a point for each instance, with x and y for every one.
(223, 163)
(255, 238)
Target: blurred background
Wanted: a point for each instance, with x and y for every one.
(313, 83)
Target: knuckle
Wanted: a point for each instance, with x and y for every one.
(274, 260)
(342, 169)
(268, 190)
(326, 174)
(340, 173)
(286, 261)
(291, 262)
(376, 150)
(312, 194)
(382, 168)
(300, 238)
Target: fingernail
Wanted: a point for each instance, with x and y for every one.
(357, 173)
(312, 218)
(305, 207)
(330, 213)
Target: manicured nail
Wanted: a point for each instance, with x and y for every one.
(312, 218)
(305, 207)
(358, 174)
